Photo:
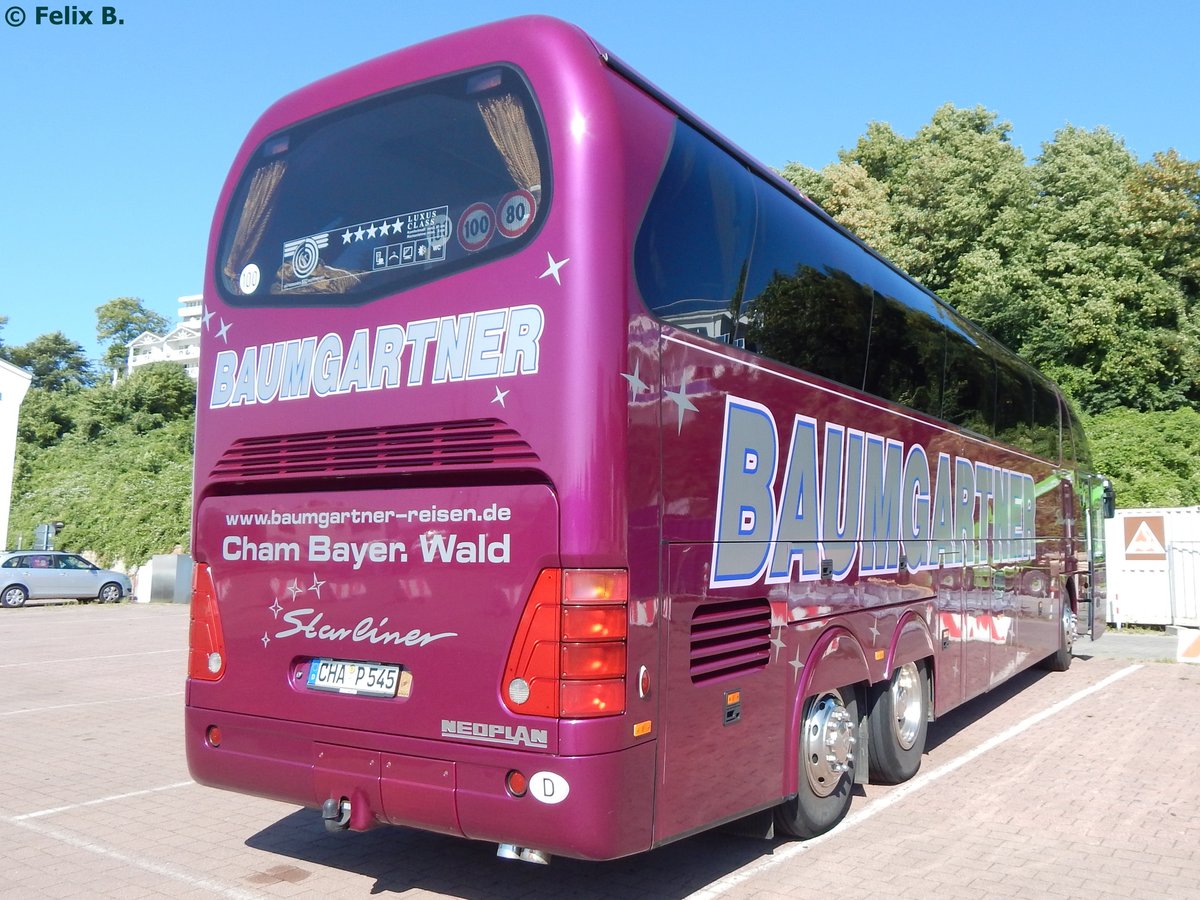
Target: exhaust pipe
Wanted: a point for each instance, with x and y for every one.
(336, 814)
(528, 854)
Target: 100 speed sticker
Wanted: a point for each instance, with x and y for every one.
(476, 226)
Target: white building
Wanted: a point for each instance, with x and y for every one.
(180, 345)
(14, 383)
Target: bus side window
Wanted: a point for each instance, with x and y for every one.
(692, 249)
(804, 306)
(969, 388)
(908, 343)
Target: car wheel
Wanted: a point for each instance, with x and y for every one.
(14, 596)
(110, 593)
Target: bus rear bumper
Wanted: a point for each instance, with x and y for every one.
(587, 807)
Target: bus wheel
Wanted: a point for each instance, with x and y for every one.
(899, 723)
(828, 732)
(1060, 659)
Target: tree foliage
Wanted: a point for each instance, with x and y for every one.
(56, 361)
(119, 321)
(1150, 456)
(114, 462)
(1084, 260)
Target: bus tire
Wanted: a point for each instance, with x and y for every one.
(1060, 659)
(825, 757)
(899, 724)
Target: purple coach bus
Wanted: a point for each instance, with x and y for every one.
(566, 480)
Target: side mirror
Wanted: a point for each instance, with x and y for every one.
(1110, 500)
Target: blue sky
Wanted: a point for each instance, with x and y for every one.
(116, 139)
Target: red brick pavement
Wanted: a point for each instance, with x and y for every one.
(1037, 791)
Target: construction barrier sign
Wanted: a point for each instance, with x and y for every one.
(1189, 646)
(1145, 538)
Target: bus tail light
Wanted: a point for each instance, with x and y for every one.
(206, 643)
(568, 657)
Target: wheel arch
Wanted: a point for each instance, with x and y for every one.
(835, 661)
(911, 641)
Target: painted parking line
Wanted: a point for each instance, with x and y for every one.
(97, 802)
(38, 709)
(28, 821)
(723, 885)
(76, 659)
(164, 870)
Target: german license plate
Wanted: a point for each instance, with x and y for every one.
(346, 677)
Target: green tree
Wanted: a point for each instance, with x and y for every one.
(1150, 456)
(112, 461)
(1112, 326)
(56, 361)
(119, 321)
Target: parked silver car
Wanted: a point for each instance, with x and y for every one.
(52, 574)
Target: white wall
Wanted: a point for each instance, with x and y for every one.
(14, 383)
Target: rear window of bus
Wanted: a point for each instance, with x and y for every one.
(388, 193)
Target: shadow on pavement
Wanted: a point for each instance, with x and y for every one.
(402, 859)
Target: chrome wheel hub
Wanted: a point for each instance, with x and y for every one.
(907, 708)
(828, 744)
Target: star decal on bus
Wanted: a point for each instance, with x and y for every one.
(316, 586)
(223, 331)
(874, 634)
(500, 395)
(294, 588)
(682, 403)
(778, 644)
(276, 608)
(636, 385)
(796, 664)
(266, 640)
(207, 317)
(554, 266)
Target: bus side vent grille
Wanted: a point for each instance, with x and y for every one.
(729, 638)
(388, 450)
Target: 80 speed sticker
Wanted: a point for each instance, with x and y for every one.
(476, 226)
(515, 213)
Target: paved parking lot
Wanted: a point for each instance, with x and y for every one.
(1082, 784)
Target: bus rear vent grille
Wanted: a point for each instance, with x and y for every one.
(729, 638)
(388, 450)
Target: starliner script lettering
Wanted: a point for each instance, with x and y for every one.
(365, 631)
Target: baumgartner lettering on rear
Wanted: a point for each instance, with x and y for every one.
(494, 343)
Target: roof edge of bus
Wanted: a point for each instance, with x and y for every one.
(419, 48)
(747, 159)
